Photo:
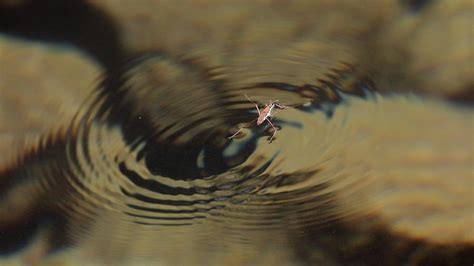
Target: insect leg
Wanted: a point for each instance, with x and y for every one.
(246, 125)
(256, 105)
(236, 133)
(274, 129)
(281, 106)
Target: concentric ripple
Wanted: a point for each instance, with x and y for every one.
(148, 160)
(152, 149)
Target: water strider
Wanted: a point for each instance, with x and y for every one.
(144, 162)
(264, 115)
(145, 169)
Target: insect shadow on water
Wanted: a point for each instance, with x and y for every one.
(265, 115)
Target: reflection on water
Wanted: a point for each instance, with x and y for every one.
(145, 171)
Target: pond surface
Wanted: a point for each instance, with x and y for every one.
(141, 138)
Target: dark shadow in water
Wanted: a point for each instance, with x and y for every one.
(18, 236)
(343, 244)
(39, 218)
(73, 22)
(417, 5)
(464, 97)
(77, 23)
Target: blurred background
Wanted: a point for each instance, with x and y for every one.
(385, 176)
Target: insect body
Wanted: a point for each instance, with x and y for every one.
(264, 115)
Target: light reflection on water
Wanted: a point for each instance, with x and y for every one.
(145, 170)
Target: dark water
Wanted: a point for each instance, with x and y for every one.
(146, 174)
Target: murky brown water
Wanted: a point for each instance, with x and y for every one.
(133, 164)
